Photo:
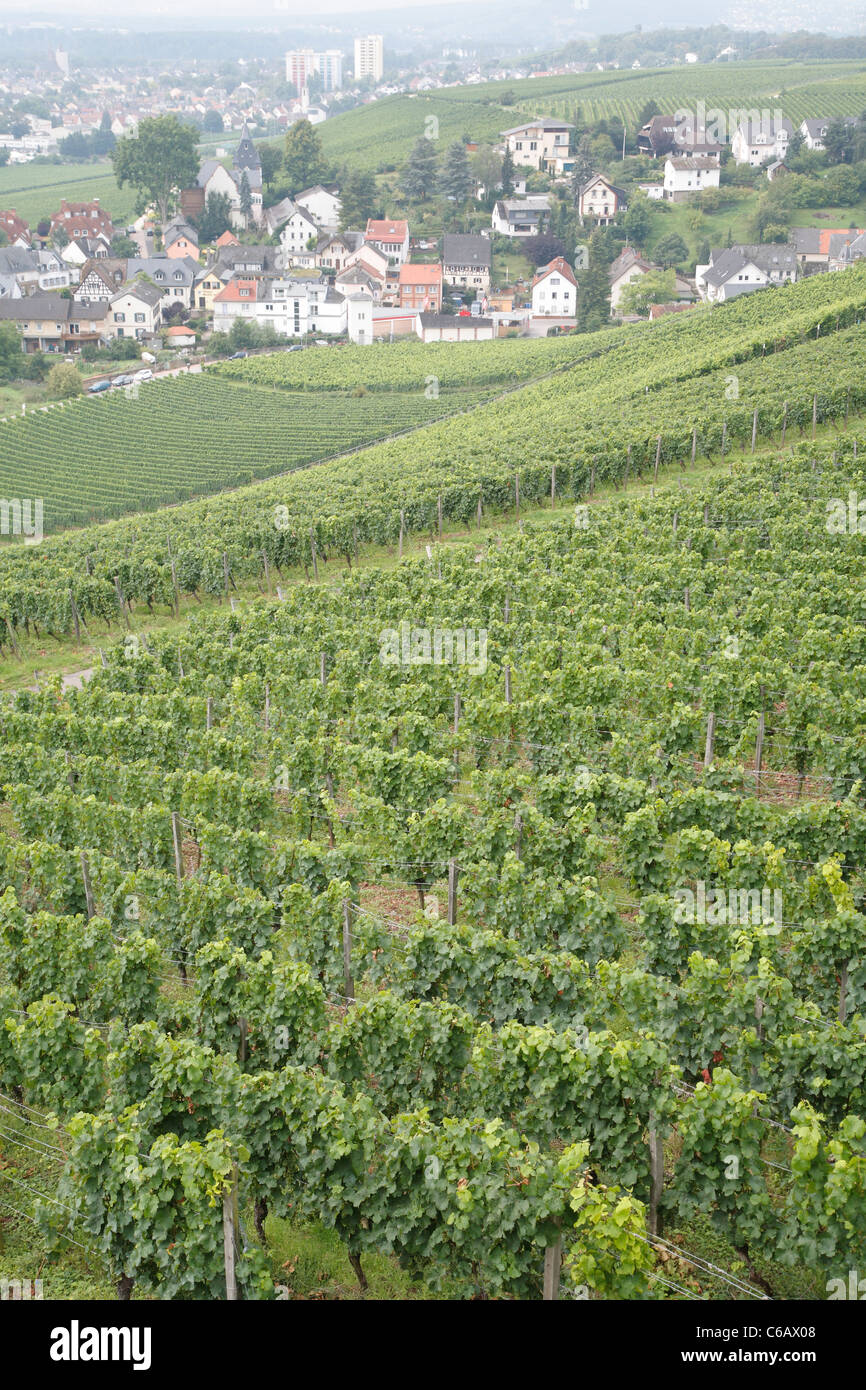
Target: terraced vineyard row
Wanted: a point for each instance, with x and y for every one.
(657, 392)
(189, 436)
(410, 365)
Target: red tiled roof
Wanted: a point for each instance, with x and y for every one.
(558, 266)
(420, 274)
(232, 294)
(385, 230)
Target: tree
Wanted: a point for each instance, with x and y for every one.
(419, 173)
(212, 122)
(703, 253)
(838, 142)
(359, 199)
(543, 249)
(271, 157)
(774, 231)
(655, 287)
(582, 168)
(123, 246)
(506, 176)
(304, 160)
(11, 353)
(456, 178)
(637, 220)
(64, 381)
(60, 237)
(159, 161)
(246, 198)
(486, 165)
(216, 218)
(671, 249)
(647, 111)
(594, 288)
(4, 155)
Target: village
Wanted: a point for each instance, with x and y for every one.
(530, 235)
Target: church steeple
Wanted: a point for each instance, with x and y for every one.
(246, 155)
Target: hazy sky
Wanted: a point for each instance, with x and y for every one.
(73, 11)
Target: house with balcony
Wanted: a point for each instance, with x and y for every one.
(48, 323)
(539, 144)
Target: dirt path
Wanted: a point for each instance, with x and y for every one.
(72, 680)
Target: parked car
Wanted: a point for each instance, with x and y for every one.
(236, 355)
(295, 347)
(144, 375)
(125, 380)
(97, 387)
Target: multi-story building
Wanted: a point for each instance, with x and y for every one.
(304, 63)
(421, 287)
(369, 57)
(539, 144)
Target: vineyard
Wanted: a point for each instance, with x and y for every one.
(502, 913)
(695, 386)
(380, 136)
(187, 436)
(228, 967)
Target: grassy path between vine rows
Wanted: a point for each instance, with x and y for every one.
(46, 657)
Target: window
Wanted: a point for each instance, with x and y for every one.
(139, 318)
(120, 318)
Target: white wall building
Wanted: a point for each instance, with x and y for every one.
(369, 57)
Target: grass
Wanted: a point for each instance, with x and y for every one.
(35, 190)
(15, 393)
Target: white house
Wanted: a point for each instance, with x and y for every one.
(554, 291)
(333, 252)
(686, 177)
(391, 237)
(538, 143)
(295, 233)
(134, 311)
(738, 270)
(322, 204)
(359, 316)
(627, 267)
(174, 276)
(599, 200)
(521, 216)
(291, 307)
(754, 142)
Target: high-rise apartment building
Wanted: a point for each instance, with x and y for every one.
(303, 64)
(369, 57)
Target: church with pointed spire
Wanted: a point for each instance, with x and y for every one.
(247, 160)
